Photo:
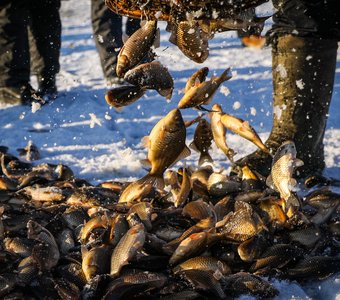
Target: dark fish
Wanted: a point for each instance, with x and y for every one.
(136, 47)
(315, 267)
(191, 42)
(202, 141)
(127, 248)
(205, 281)
(275, 257)
(123, 96)
(245, 283)
(152, 75)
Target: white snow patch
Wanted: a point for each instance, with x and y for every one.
(253, 111)
(300, 84)
(94, 120)
(236, 105)
(35, 107)
(224, 90)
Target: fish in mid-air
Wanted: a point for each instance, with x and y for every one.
(281, 176)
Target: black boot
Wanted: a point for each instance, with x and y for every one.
(303, 78)
(24, 94)
(47, 87)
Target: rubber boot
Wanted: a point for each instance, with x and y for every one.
(303, 78)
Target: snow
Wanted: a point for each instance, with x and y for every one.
(80, 130)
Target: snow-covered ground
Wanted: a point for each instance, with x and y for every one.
(80, 130)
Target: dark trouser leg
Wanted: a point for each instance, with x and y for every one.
(303, 78)
(14, 55)
(45, 40)
(107, 31)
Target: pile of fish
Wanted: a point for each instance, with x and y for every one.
(190, 233)
(187, 233)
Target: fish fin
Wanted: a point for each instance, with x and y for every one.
(83, 250)
(146, 164)
(298, 162)
(157, 40)
(225, 75)
(167, 93)
(270, 182)
(205, 157)
(146, 142)
(125, 37)
(156, 181)
(186, 152)
(118, 109)
(197, 119)
(292, 205)
(292, 184)
(22, 151)
(193, 146)
(245, 126)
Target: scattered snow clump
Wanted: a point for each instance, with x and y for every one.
(236, 105)
(300, 84)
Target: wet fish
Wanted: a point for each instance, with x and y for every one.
(127, 248)
(205, 281)
(136, 191)
(123, 96)
(203, 93)
(220, 185)
(246, 283)
(191, 42)
(95, 261)
(243, 129)
(166, 145)
(196, 78)
(242, 224)
(205, 263)
(191, 246)
(275, 257)
(219, 132)
(281, 176)
(136, 47)
(180, 195)
(152, 75)
(202, 141)
(102, 221)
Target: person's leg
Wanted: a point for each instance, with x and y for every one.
(107, 31)
(14, 55)
(45, 43)
(303, 77)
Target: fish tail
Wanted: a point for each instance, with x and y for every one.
(292, 205)
(226, 75)
(205, 157)
(156, 181)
